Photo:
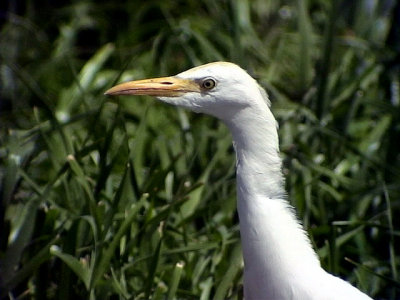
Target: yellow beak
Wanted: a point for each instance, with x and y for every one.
(158, 87)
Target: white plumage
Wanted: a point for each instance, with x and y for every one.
(279, 260)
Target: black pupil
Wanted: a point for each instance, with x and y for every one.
(208, 84)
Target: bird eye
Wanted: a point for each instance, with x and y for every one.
(208, 83)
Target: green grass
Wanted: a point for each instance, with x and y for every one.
(132, 199)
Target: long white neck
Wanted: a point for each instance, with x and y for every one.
(275, 247)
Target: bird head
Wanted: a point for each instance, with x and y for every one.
(219, 89)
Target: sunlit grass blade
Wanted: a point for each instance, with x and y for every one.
(80, 270)
(175, 279)
(206, 287)
(306, 36)
(153, 266)
(70, 96)
(324, 68)
(235, 266)
(107, 252)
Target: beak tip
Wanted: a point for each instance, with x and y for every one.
(109, 92)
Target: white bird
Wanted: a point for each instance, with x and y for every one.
(279, 261)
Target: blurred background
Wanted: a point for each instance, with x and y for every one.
(132, 199)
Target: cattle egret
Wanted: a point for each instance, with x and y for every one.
(279, 261)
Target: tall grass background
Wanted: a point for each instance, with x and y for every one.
(132, 199)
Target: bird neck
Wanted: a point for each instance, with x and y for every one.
(258, 164)
(274, 243)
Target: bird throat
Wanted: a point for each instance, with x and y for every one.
(274, 243)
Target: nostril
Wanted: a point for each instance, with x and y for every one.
(166, 82)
